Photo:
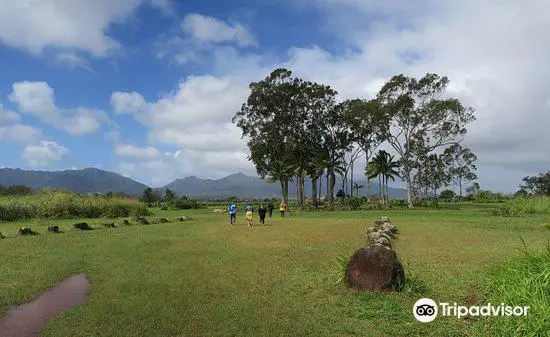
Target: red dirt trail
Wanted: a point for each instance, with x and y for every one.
(29, 319)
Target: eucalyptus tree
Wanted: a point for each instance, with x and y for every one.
(416, 110)
(461, 165)
(366, 121)
(267, 121)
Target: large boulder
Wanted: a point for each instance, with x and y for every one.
(159, 220)
(26, 231)
(82, 226)
(53, 229)
(2, 236)
(375, 268)
(110, 225)
(125, 222)
(142, 220)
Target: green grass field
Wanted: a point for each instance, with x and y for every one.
(204, 277)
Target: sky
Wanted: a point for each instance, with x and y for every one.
(147, 88)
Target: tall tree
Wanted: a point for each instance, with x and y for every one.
(267, 120)
(461, 165)
(366, 121)
(416, 111)
(148, 196)
(539, 184)
(169, 195)
(435, 171)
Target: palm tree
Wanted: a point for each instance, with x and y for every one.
(384, 167)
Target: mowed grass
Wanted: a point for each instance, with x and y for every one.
(204, 277)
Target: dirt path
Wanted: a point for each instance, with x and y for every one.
(29, 319)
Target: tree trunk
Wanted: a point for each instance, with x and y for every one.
(460, 187)
(320, 187)
(284, 190)
(387, 191)
(332, 182)
(351, 179)
(302, 187)
(409, 189)
(368, 190)
(313, 190)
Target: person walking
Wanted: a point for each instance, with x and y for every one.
(282, 208)
(249, 212)
(270, 208)
(262, 212)
(232, 210)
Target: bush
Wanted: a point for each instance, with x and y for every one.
(59, 204)
(447, 195)
(352, 203)
(185, 203)
(524, 205)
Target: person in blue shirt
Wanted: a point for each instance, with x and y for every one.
(232, 210)
(249, 212)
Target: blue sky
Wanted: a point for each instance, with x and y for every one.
(147, 88)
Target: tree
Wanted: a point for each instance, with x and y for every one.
(473, 190)
(366, 122)
(460, 162)
(384, 167)
(435, 173)
(148, 196)
(447, 195)
(539, 184)
(416, 113)
(357, 187)
(267, 119)
(169, 196)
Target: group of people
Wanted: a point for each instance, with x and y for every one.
(262, 212)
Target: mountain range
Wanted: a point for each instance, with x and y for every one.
(92, 180)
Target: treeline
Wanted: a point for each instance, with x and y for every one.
(296, 130)
(170, 200)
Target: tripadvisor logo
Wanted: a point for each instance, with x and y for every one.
(426, 310)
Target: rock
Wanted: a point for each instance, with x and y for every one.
(386, 226)
(160, 220)
(384, 219)
(53, 229)
(109, 225)
(375, 237)
(375, 268)
(183, 218)
(371, 230)
(2, 236)
(384, 241)
(82, 226)
(26, 231)
(125, 222)
(142, 220)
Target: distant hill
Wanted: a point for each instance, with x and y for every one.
(92, 180)
(88, 180)
(244, 186)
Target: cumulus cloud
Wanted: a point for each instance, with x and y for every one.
(143, 153)
(37, 99)
(210, 29)
(34, 25)
(44, 153)
(20, 133)
(203, 35)
(73, 60)
(126, 103)
(7, 115)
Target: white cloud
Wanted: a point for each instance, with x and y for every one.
(20, 133)
(210, 29)
(78, 26)
(203, 36)
(126, 103)
(7, 115)
(143, 153)
(37, 98)
(73, 60)
(44, 153)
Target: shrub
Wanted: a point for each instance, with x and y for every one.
(524, 205)
(447, 195)
(353, 203)
(185, 203)
(59, 204)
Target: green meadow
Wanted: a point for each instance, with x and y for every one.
(205, 277)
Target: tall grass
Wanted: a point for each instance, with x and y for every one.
(524, 282)
(59, 205)
(525, 205)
